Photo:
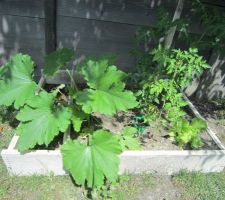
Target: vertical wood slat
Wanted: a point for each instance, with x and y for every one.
(50, 32)
(50, 25)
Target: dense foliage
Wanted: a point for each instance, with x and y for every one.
(90, 152)
(162, 74)
(45, 114)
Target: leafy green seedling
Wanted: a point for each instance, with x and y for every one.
(128, 138)
(185, 132)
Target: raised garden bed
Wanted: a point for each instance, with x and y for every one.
(159, 155)
(44, 162)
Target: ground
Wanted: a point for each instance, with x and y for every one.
(183, 186)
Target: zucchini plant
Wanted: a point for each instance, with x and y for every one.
(93, 156)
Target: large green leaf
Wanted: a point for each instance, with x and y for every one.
(16, 84)
(57, 59)
(78, 116)
(93, 162)
(41, 121)
(106, 93)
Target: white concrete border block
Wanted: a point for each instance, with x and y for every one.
(43, 162)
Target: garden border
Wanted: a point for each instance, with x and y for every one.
(45, 162)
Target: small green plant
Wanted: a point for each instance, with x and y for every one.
(180, 66)
(128, 138)
(149, 37)
(161, 93)
(185, 132)
(43, 115)
(171, 70)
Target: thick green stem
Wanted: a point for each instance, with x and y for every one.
(40, 84)
(160, 114)
(67, 133)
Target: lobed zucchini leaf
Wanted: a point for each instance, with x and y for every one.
(16, 84)
(78, 116)
(57, 59)
(41, 121)
(93, 162)
(106, 93)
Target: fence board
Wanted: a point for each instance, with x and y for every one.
(32, 8)
(94, 38)
(21, 34)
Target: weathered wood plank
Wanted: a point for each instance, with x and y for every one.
(138, 12)
(50, 26)
(95, 38)
(21, 34)
(32, 8)
(25, 27)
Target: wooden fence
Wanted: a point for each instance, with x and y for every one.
(91, 27)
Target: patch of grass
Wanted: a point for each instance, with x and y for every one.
(201, 186)
(127, 188)
(131, 185)
(34, 187)
(5, 137)
(148, 179)
(38, 188)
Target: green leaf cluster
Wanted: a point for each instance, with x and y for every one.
(185, 132)
(128, 139)
(212, 19)
(106, 93)
(175, 70)
(181, 66)
(161, 94)
(43, 115)
(41, 120)
(57, 59)
(16, 82)
(90, 164)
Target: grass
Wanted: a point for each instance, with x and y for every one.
(34, 187)
(199, 186)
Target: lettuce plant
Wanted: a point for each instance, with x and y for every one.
(185, 132)
(43, 115)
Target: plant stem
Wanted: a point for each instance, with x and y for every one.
(67, 133)
(202, 35)
(162, 108)
(40, 84)
(72, 81)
